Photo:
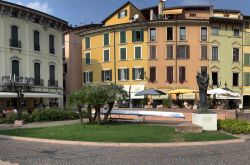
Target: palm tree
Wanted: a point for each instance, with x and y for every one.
(78, 99)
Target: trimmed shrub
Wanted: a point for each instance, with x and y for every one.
(234, 126)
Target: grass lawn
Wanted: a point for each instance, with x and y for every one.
(126, 133)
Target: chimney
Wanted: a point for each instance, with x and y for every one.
(151, 14)
(161, 7)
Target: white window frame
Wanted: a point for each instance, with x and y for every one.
(87, 74)
(104, 39)
(136, 68)
(201, 51)
(172, 33)
(180, 33)
(120, 36)
(155, 52)
(155, 34)
(141, 52)
(126, 53)
(104, 78)
(89, 43)
(201, 33)
(104, 54)
(217, 31)
(236, 29)
(123, 69)
(233, 54)
(217, 52)
(119, 13)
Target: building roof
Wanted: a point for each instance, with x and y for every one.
(227, 10)
(200, 7)
(32, 11)
(127, 3)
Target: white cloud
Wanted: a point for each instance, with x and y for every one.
(37, 5)
(196, 2)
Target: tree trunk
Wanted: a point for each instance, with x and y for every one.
(90, 114)
(111, 105)
(98, 115)
(79, 109)
(95, 116)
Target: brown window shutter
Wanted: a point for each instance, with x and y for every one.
(187, 52)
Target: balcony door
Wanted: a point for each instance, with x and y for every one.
(37, 73)
(15, 68)
(52, 74)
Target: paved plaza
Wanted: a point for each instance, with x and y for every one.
(31, 153)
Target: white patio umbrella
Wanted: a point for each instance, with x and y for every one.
(218, 91)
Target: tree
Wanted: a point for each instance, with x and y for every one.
(77, 99)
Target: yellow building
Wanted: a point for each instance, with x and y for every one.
(246, 64)
(117, 53)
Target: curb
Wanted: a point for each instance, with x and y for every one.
(103, 144)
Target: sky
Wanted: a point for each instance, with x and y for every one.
(81, 12)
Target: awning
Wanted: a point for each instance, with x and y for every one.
(173, 11)
(41, 95)
(8, 95)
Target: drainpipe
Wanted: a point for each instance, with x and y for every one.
(176, 67)
(242, 78)
(114, 55)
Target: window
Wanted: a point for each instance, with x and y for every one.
(236, 52)
(152, 52)
(215, 30)
(182, 51)
(192, 15)
(226, 14)
(235, 79)
(14, 37)
(87, 58)
(107, 75)
(204, 68)
(170, 34)
(247, 59)
(106, 39)
(51, 44)
(138, 52)
(214, 78)
(122, 14)
(138, 73)
(182, 33)
(87, 42)
(247, 38)
(52, 75)
(170, 74)
(182, 74)
(106, 55)
(123, 74)
(15, 68)
(203, 33)
(152, 74)
(123, 37)
(88, 77)
(246, 79)
(123, 54)
(204, 52)
(236, 32)
(152, 34)
(138, 35)
(36, 41)
(170, 52)
(37, 74)
(215, 53)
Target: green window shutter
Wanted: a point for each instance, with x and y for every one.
(119, 74)
(142, 74)
(126, 12)
(187, 52)
(102, 75)
(91, 76)
(110, 74)
(246, 59)
(133, 36)
(119, 15)
(142, 35)
(123, 37)
(133, 75)
(127, 74)
(123, 53)
(106, 39)
(137, 52)
(87, 43)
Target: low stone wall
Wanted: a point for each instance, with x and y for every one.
(222, 114)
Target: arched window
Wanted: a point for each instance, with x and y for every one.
(52, 75)
(37, 74)
(36, 40)
(14, 37)
(51, 44)
(15, 68)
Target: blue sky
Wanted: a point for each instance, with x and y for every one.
(78, 12)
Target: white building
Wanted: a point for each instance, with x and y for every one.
(31, 44)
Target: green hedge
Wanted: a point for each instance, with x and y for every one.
(41, 115)
(234, 126)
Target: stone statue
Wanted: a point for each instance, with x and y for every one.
(202, 81)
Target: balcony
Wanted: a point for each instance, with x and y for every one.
(15, 43)
(52, 83)
(38, 82)
(52, 50)
(37, 47)
(8, 80)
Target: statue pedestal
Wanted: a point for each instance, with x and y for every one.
(208, 121)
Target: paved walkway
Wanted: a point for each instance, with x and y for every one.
(30, 153)
(40, 124)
